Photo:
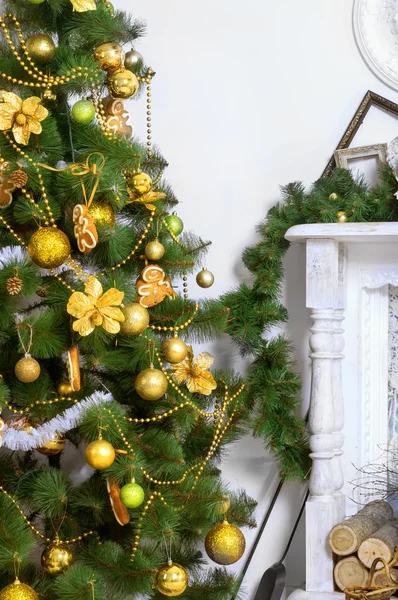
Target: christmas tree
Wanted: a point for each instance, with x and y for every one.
(113, 428)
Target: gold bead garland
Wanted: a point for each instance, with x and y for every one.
(78, 538)
(177, 327)
(26, 410)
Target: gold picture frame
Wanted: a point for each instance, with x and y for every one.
(342, 157)
(370, 99)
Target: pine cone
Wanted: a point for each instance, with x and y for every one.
(41, 292)
(14, 285)
(19, 178)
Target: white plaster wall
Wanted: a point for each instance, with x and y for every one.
(249, 96)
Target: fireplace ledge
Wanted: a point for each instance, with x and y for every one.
(345, 232)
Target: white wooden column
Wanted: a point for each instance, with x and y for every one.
(323, 508)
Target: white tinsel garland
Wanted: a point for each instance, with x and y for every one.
(69, 419)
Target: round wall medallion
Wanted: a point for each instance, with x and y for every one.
(376, 32)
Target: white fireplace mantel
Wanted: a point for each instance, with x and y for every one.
(349, 267)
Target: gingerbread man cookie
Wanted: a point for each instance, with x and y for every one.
(118, 119)
(85, 230)
(153, 286)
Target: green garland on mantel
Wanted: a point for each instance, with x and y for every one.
(273, 386)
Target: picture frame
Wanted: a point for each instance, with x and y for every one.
(343, 156)
(370, 99)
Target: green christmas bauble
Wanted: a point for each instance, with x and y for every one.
(132, 495)
(83, 112)
(174, 223)
(35, 1)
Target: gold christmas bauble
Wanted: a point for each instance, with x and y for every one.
(102, 213)
(53, 446)
(225, 543)
(27, 369)
(341, 216)
(171, 580)
(123, 84)
(151, 384)
(174, 350)
(65, 389)
(140, 183)
(154, 250)
(110, 56)
(18, 591)
(134, 61)
(49, 247)
(100, 454)
(205, 278)
(136, 319)
(56, 558)
(41, 48)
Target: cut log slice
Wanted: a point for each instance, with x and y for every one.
(350, 571)
(380, 545)
(345, 538)
(380, 577)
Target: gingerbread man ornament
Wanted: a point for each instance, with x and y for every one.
(153, 286)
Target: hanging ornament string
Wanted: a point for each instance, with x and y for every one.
(78, 538)
(168, 550)
(25, 349)
(17, 565)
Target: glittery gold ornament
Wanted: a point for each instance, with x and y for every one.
(102, 213)
(65, 389)
(23, 117)
(140, 183)
(18, 591)
(109, 56)
(205, 278)
(123, 84)
(48, 94)
(133, 61)
(57, 557)
(19, 178)
(136, 319)
(100, 454)
(151, 384)
(171, 580)
(41, 48)
(225, 543)
(154, 250)
(83, 5)
(27, 369)
(49, 247)
(174, 350)
(341, 216)
(14, 284)
(53, 446)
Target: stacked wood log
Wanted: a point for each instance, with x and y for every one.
(356, 542)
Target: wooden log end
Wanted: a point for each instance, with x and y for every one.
(350, 571)
(343, 540)
(374, 548)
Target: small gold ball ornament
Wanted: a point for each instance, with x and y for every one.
(225, 543)
(102, 213)
(205, 278)
(100, 454)
(110, 56)
(48, 94)
(123, 84)
(18, 591)
(136, 319)
(154, 250)
(41, 48)
(140, 183)
(65, 389)
(134, 61)
(53, 446)
(171, 580)
(49, 247)
(174, 350)
(151, 384)
(27, 369)
(341, 216)
(57, 557)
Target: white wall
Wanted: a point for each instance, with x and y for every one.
(248, 96)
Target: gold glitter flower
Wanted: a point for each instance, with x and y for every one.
(145, 199)
(83, 5)
(195, 374)
(22, 116)
(95, 309)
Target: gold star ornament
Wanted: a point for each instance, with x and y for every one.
(23, 117)
(95, 308)
(195, 374)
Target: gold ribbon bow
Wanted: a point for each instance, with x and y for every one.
(82, 169)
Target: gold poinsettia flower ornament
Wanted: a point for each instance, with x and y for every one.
(23, 117)
(145, 199)
(96, 309)
(195, 374)
(83, 5)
